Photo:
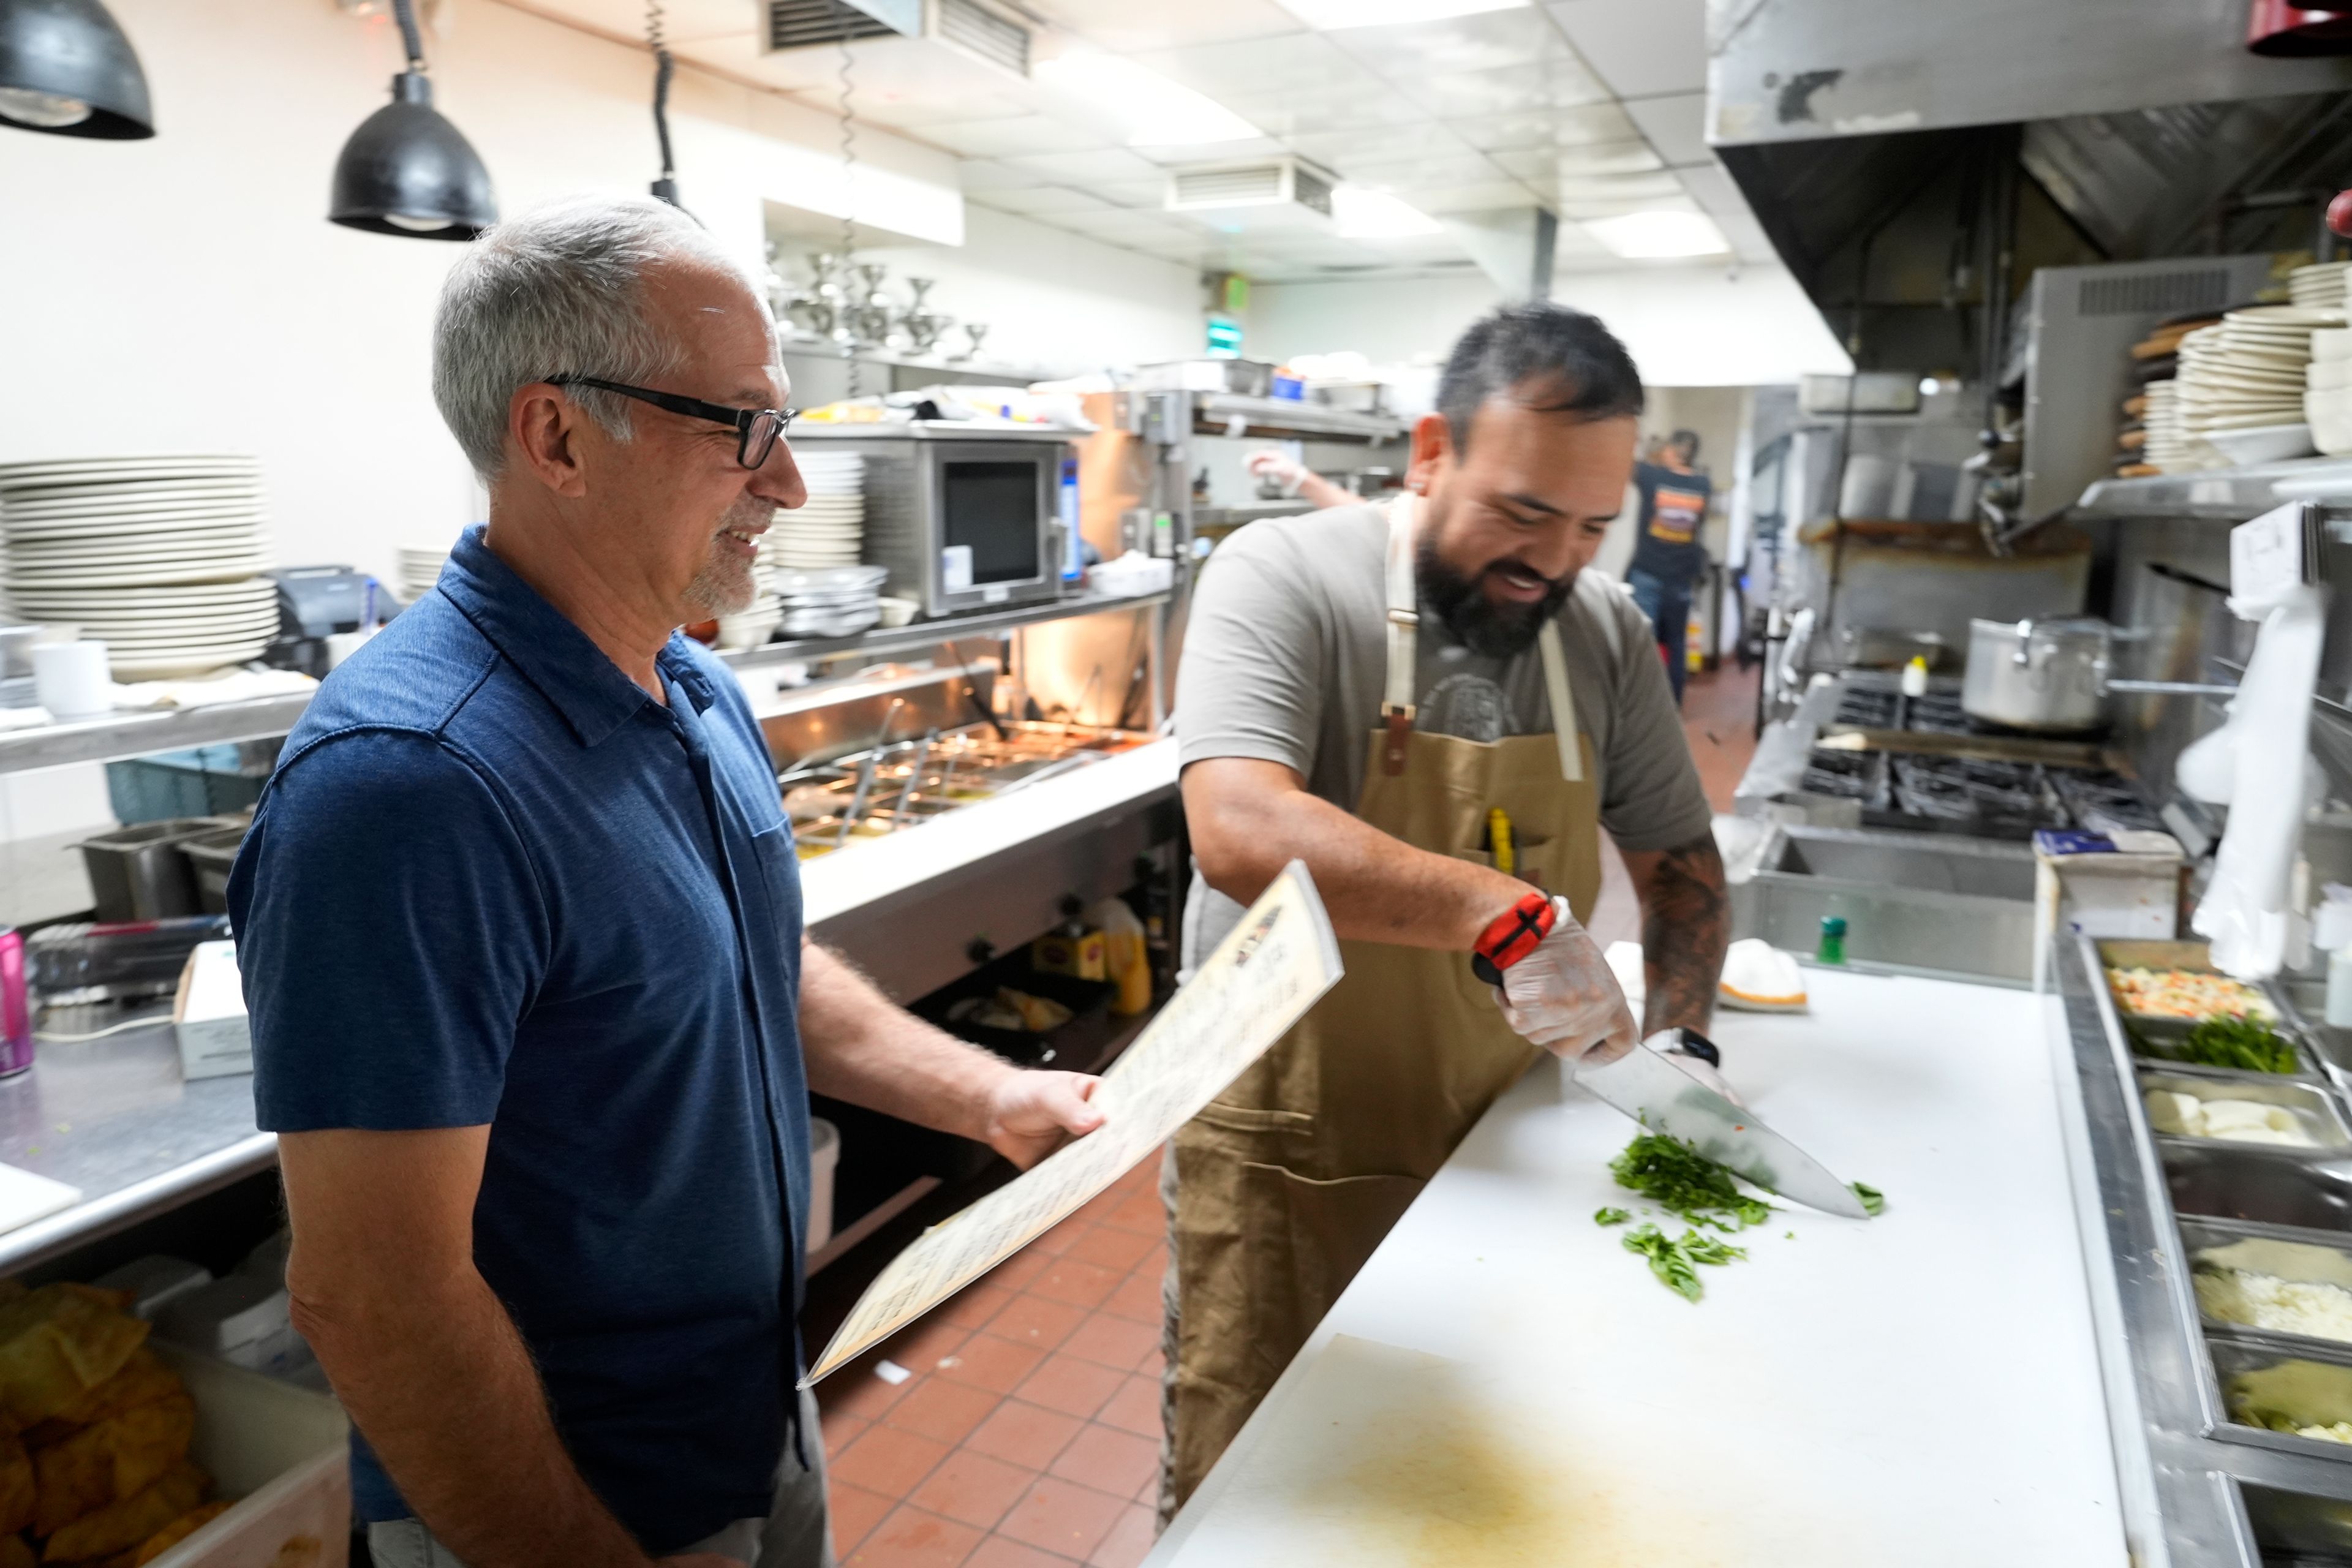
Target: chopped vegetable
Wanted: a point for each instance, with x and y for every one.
(2186, 993)
(1675, 1261)
(1685, 1183)
(1874, 1202)
(1610, 1217)
(2246, 1045)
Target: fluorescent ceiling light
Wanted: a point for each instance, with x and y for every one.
(1658, 235)
(1364, 214)
(1152, 109)
(1331, 16)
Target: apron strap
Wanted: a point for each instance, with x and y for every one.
(1403, 624)
(1563, 703)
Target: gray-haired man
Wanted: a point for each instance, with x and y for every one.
(520, 924)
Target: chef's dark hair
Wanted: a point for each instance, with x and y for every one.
(1556, 360)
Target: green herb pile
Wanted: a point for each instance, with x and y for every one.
(1675, 1261)
(2247, 1045)
(1687, 1183)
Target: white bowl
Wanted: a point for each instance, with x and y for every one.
(2262, 443)
(896, 612)
(2332, 344)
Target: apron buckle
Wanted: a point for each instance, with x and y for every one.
(1396, 725)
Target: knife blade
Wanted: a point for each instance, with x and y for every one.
(1649, 1087)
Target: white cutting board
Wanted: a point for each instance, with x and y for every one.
(1505, 1385)
(26, 1198)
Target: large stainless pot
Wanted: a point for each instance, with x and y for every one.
(2048, 676)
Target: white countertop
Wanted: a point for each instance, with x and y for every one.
(869, 870)
(1503, 1383)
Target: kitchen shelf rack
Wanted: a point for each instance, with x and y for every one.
(2233, 493)
(1283, 419)
(825, 348)
(126, 734)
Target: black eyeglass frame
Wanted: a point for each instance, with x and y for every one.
(746, 422)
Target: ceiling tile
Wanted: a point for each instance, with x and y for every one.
(1264, 68)
(1661, 186)
(1506, 90)
(1126, 227)
(1021, 134)
(1749, 240)
(988, 174)
(1482, 42)
(1126, 27)
(1085, 168)
(1042, 199)
(1211, 152)
(1600, 203)
(1717, 193)
(1545, 164)
(1563, 127)
(1640, 51)
(1316, 109)
(1479, 196)
(1675, 125)
(1145, 194)
(1440, 171)
(1346, 150)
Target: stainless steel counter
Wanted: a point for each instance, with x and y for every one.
(114, 1118)
(2192, 1497)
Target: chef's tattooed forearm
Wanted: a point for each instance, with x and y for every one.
(1686, 926)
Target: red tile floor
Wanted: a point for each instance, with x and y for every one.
(1028, 1435)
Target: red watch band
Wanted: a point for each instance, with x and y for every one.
(1516, 931)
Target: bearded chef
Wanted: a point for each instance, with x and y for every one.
(1433, 705)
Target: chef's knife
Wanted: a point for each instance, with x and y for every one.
(1652, 1090)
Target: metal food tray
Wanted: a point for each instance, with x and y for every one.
(2254, 1181)
(2193, 956)
(2310, 1103)
(2305, 1256)
(2302, 1381)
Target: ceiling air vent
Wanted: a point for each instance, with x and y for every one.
(982, 32)
(805, 24)
(1279, 182)
(2170, 293)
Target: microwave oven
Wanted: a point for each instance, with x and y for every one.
(966, 517)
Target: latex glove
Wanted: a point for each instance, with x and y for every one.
(1562, 997)
(1288, 472)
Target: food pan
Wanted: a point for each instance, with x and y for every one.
(2310, 1104)
(2195, 956)
(2258, 1380)
(2155, 1040)
(2239, 1180)
(2304, 1257)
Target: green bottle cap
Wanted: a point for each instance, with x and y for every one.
(1832, 925)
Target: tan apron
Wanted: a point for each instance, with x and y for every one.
(1285, 1183)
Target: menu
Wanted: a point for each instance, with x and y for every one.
(1273, 966)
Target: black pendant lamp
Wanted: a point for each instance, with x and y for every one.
(66, 69)
(406, 170)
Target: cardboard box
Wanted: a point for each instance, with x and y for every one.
(209, 1014)
(2119, 887)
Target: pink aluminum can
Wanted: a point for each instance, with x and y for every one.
(16, 1007)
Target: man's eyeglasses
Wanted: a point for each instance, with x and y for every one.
(756, 429)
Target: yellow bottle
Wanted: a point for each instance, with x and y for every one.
(1127, 957)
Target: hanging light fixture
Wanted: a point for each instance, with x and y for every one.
(406, 170)
(666, 188)
(65, 67)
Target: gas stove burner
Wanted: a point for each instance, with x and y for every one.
(1845, 775)
(1938, 713)
(1951, 789)
(1868, 708)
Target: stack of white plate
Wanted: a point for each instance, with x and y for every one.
(2328, 403)
(418, 567)
(830, 530)
(156, 556)
(2170, 448)
(2246, 376)
(2319, 287)
(830, 602)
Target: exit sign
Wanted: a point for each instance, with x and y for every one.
(1224, 338)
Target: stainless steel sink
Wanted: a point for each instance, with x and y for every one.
(1916, 903)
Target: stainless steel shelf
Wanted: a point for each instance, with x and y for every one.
(931, 633)
(2233, 493)
(821, 348)
(126, 735)
(1213, 413)
(139, 734)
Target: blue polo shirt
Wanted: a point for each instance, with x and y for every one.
(494, 881)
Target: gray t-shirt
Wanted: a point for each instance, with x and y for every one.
(1286, 654)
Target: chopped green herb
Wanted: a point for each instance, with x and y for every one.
(1874, 1202)
(2245, 1045)
(1788, 1235)
(1685, 1183)
(1675, 1260)
(1610, 1217)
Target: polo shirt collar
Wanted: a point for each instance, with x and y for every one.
(583, 685)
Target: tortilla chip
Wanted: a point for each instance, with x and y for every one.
(299, 1552)
(16, 1489)
(176, 1532)
(15, 1553)
(124, 1524)
(56, 1344)
(144, 1378)
(109, 1460)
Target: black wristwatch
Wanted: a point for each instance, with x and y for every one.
(1681, 1041)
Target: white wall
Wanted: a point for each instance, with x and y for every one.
(1685, 326)
(187, 293)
